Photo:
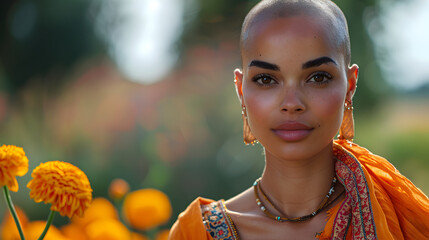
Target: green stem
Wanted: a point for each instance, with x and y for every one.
(48, 224)
(12, 211)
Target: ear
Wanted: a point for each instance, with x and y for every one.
(238, 81)
(352, 78)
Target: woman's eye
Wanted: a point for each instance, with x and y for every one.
(320, 78)
(264, 80)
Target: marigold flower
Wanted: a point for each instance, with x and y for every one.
(63, 185)
(100, 208)
(9, 230)
(162, 235)
(13, 162)
(118, 188)
(73, 231)
(146, 208)
(107, 229)
(34, 229)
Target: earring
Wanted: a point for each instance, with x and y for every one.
(347, 129)
(248, 137)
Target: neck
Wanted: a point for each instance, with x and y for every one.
(297, 187)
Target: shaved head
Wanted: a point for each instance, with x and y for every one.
(324, 10)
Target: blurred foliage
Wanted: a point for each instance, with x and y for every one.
(41, 40)
(61, 98)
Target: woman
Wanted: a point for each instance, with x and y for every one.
(296, 87)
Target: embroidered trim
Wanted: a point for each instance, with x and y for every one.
(356, 211)
(217, 222)
(229, 220)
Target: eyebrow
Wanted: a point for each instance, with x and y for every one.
(317, 62)
(312, 63)
(265, 65)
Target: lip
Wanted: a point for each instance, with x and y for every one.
(292, 131)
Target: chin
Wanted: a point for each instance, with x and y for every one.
(296, 151)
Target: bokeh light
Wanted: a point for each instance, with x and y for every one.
(399, 31)
(142, 35)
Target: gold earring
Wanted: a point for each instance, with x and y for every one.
(248, 137)
(347, 129)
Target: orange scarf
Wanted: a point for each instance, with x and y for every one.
(386, 205)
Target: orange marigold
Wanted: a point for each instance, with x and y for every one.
(118, 188)
(107, 229)
(74, 232)
(146, 208)
(13, 162)
(100, 208)
(63, 185)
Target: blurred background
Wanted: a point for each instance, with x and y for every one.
(143, 90)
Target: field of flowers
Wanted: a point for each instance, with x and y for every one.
(67, 189)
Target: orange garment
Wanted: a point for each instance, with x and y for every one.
(380, 203)
(189, 224)
(401, 210)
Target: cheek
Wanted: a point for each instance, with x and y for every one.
(329, 109)
(260, 105)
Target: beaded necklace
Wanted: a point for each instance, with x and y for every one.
(322, 205)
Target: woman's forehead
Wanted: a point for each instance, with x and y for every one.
(301, 25)
(287, 34)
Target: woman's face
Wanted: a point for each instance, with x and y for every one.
(294, 84)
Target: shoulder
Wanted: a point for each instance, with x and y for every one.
(243, 202)
(189, 224)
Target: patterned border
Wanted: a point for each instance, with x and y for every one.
(216, 222)
(356, 209)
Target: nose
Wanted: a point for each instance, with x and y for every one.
(292, 101)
